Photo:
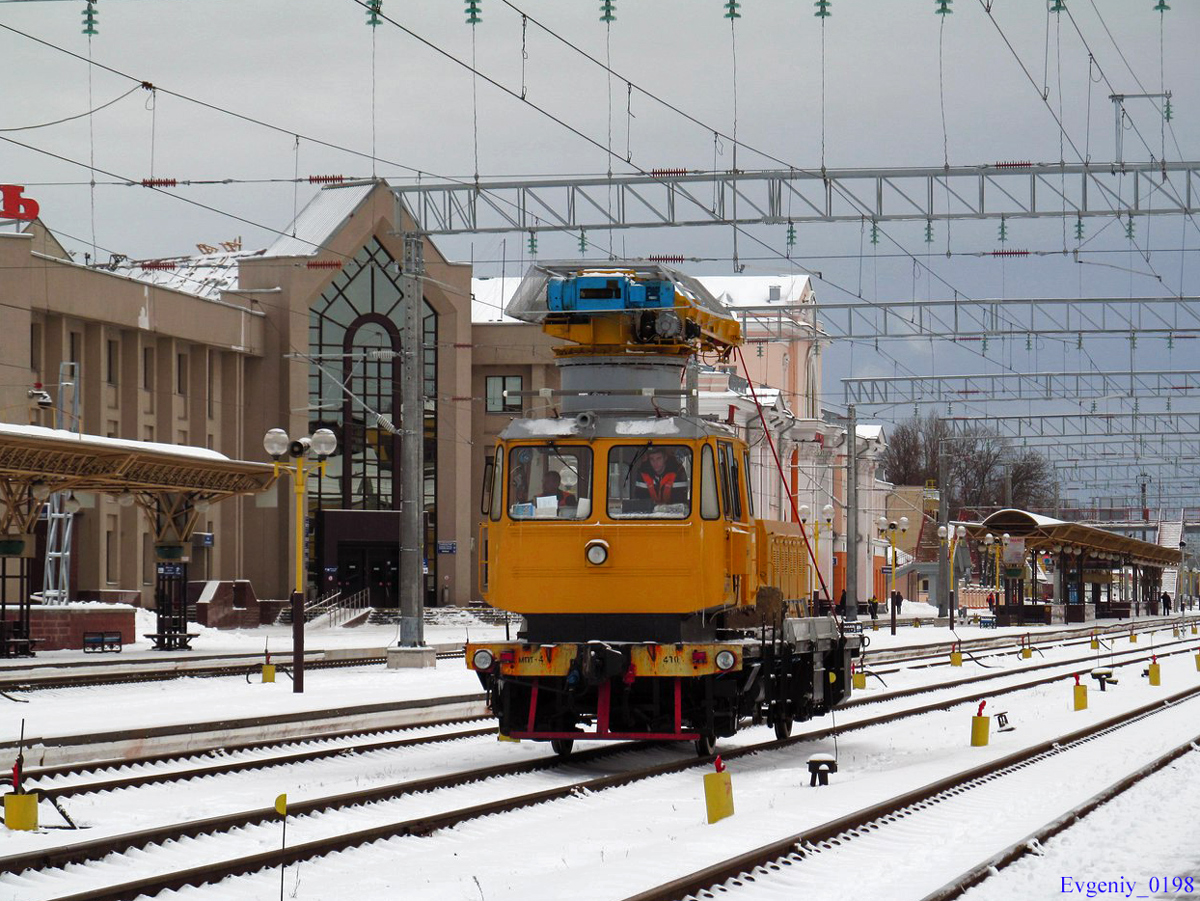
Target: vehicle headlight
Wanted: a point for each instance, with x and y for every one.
(596, 552)
(483, 660)
(725, 660)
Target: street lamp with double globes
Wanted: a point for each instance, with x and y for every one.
(307, 453)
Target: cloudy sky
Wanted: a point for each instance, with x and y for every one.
(254, 92)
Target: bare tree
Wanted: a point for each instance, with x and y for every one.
(977, 465)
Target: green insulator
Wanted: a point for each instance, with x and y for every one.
(1133, 339)
(758, 347)
(983, 345)
(532, 244)
(874, 232)
(608, 11)
(1161, 6)
(1003, 231)
(1130, 229)
(582, 242)
(1058, 7)
(473, 16)
(731, 9)
(823, 11)
(1079, 228)
(1093, 410)
(89, 20)
(373, 8)
(943, 7)
(791, 235)
(929, 232)
(1170, 346)
(1167, 114)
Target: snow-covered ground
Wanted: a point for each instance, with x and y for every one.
(614, 843)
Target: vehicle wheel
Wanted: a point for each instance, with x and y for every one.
(562, 746)
(783, 726)
(705, 745)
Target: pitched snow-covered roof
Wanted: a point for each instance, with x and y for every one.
(205, 275)
(320, 219)
(16, 430)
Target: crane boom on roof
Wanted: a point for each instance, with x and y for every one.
(624, 308)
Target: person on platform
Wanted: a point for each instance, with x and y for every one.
(873, 607)
(897, 601)
(1166, 603)
(841, 604)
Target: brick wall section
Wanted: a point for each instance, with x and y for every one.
(233, 605)
(62, 628)
(111, 596)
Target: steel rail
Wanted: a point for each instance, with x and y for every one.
(225, 766)
(977, 874)
(842, 827)
(84, 852)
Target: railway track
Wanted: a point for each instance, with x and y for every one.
(151, 670)
(154, 670)
(870, 831)
(344, 835)
(207, 766)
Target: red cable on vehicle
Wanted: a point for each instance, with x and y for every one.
(783, 477)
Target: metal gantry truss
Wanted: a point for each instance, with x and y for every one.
(674, 198)
(1054, 426)
(1119, 449)
(1086, 470)
(965, 319)
(1025, 386)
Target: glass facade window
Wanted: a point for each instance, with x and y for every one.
(355, 333)
(495, 386)
(649, 481)
(550, 483)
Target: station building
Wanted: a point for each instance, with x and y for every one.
(214, 349)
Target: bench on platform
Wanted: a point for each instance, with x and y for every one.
(172, 641)
(99, 642)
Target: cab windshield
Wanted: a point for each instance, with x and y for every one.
(548, 482)
(649, 481)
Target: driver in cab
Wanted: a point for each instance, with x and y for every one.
(660, 478)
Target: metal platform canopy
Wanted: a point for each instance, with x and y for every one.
(1075, 557)
(172, 485)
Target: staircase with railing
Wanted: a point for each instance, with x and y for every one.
(336, 608)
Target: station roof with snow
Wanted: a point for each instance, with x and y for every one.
(1043, 533)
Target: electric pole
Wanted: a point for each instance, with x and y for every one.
(412, 431)
(852, 516)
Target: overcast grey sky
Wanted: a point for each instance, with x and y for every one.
(309, 67)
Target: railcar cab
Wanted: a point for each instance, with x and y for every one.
(624, 523)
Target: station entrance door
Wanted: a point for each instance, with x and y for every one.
(371, 565)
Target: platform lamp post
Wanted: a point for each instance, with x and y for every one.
(320, 444)
(827, 518)
(952, 536)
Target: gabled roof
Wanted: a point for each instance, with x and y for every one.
(321, 219)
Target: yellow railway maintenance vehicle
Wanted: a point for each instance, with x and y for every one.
(655, 604)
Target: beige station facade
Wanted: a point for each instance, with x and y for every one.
(212, 350)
